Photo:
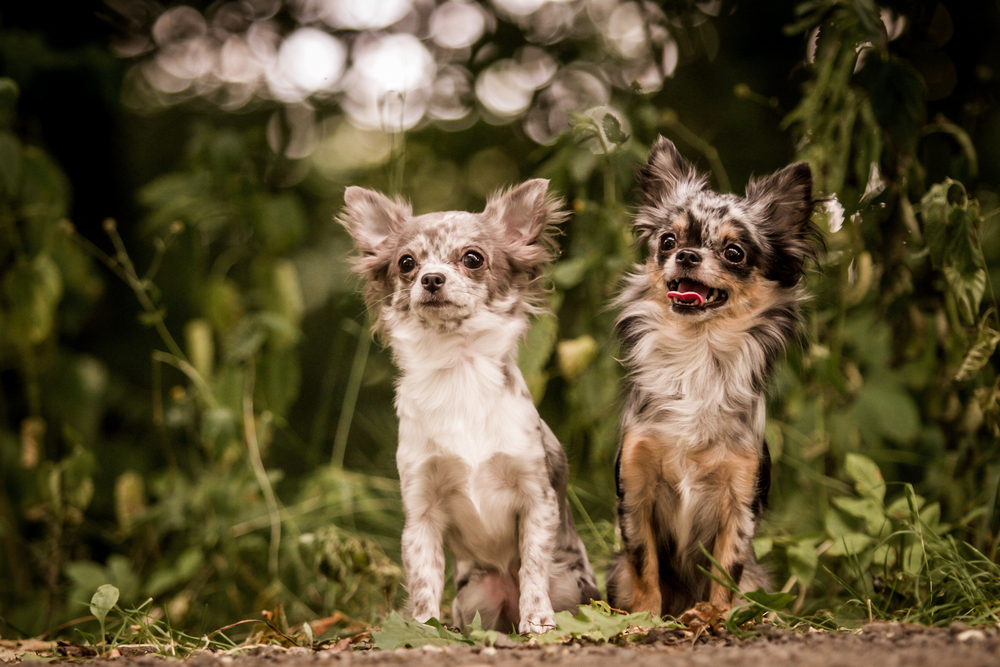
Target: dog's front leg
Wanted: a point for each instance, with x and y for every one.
(537, 529)
(638, 481)
(733, 542)
(423, 564)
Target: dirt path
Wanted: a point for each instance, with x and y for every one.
(875, 645)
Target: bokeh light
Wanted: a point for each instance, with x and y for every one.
(393, 65)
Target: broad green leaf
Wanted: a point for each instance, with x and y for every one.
(979, 354)
(762, 546)
(104, 599)
(968, 292)
(613, 130)
(32, 288)
(569, 273)
(885, 409)
(866, 476)
(864, 508)
(597, 622)
(845, 538)
(849, 544)
(802, 561)
(397, 632)
(536, 349)
(914, 558)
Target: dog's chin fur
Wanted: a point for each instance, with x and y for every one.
(702, 323)
(480, 472)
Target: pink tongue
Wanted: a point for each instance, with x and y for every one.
(689, 291)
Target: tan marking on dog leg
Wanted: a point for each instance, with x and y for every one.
(737, 477)
(639, 476)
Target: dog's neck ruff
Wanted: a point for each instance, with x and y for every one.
(701, 380)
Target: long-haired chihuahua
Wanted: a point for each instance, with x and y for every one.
(479, 470)
(701, 325)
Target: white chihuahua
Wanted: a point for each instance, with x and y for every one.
(479, 470)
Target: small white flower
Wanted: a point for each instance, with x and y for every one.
(835, 214)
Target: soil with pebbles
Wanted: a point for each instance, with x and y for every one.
(876, 644)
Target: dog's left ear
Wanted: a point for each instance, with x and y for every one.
(371, 217)
(526, 217)
(785, 202)
(524, 212)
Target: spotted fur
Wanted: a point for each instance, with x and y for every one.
(702, 323)
(480, 472)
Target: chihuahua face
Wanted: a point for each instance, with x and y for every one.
(702, 323)
(714, 255)
(447, 271)
(480, 472)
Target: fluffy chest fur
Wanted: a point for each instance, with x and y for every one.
(470, 450)
(699, 385)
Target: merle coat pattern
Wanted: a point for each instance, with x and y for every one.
(702, 323)
(480, 472)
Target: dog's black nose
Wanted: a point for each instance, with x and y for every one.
(688, 258)
(432, 282)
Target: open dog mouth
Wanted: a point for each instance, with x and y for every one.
(691, 294)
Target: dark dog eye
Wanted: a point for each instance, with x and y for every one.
(407, 264)
(668, 242)
(734, 254)
(472, 260)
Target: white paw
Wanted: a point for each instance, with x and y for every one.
(536, 623)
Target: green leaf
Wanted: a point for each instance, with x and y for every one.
(802, 561)
(613, 130)
(979, 354)
(844, 537)
(597, 622)
(32, 288)
(397, 632)
(884, 409)
(536, 349)
(104, 599)
(968, 292)
(569, 273)
(866, 509)
(866, 476)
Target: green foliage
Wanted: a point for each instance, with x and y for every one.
(227, 444)
(396, 632)
(598, 623)
(593, 623)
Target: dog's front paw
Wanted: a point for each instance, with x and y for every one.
(536, 623)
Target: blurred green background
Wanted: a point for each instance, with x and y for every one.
(192, 409)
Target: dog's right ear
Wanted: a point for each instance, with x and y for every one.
(663, 172)
(371, 217)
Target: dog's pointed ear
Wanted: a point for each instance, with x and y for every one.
(785, 202)
(371, 217)
(785, 197)
(663, 172)
(525, 212)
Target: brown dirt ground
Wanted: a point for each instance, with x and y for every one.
(876, 644)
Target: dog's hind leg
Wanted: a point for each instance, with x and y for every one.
(493, 595)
